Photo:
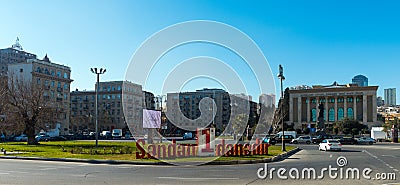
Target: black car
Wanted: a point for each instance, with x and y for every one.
(286, 138)
(321, 138)
(348, 141)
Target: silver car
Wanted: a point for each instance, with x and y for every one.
(365, 140)
(302, 140)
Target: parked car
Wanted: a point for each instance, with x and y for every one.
(302, 139)
(330, 144)
(365, 140)
(269, 140)
(286, 138)
(320, 138)
(347, 141)
(21, 137)
(58, 138)
(42, 137)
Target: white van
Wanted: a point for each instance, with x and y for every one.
(292, 133)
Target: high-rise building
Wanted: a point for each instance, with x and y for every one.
(120, 104)
(13, 55)
(55, 79)
(360, 80)
(379, 101)
(390, 97)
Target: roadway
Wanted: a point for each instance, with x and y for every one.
(381, 158)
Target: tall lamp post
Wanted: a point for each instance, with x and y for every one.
(281, 77)
(98, 73)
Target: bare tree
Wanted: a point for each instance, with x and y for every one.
(28, 105)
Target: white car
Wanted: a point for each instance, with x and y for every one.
(302, 139)
(330, 144)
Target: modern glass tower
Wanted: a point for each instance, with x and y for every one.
(360, 80)
(390, 97)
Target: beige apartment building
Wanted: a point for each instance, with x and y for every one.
(55, 79)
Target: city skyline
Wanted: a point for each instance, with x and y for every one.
(315, 43)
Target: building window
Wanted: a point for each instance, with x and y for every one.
(59, 74)
(59, 85)
(66, 87)
(65, 96)
(313, 101)
(21, 70)
(349, 100)
(38, 70)
(65, 75)
(314, 115)
(52, 83)
(340, 100)
(38, 81)
(331, 114)
(52, 72)
(331, 100)
(119, 88)
(350, 113)
(340, 114)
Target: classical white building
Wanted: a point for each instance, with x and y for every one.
(336, 101)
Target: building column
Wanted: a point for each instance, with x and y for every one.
(355, 107)
(345, 107)
(336, 111)
(326, 110)
(308, 109)
(374, 107)
(316, 109)
(290, 109)
(299, 110)
(365, 108)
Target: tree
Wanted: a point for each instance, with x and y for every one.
(239, 123)
(347, 126)
(28, 106)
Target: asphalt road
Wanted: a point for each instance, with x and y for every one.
(380, 158)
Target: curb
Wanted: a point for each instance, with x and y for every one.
(279, 157)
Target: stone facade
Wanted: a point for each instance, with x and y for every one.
(338, 101)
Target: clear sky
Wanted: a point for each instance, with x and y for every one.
(317, 42)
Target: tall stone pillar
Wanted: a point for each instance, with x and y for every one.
(299, 109)
(336, 109)
(308, 110)
(355, 107)
(345, 106)
(365, 108)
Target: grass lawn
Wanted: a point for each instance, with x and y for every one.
(105, 151)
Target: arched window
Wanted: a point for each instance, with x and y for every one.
(38, 70)
(314, 115)
(65, 75)
(340, 114)
(350, 113)
(331, 114)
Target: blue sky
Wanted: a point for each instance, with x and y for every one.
(317, 42)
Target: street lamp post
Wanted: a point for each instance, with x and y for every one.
(281, 77)
(98, 73)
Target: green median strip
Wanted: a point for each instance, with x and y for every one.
(124, 151)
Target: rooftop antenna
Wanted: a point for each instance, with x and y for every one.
(17, 46)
